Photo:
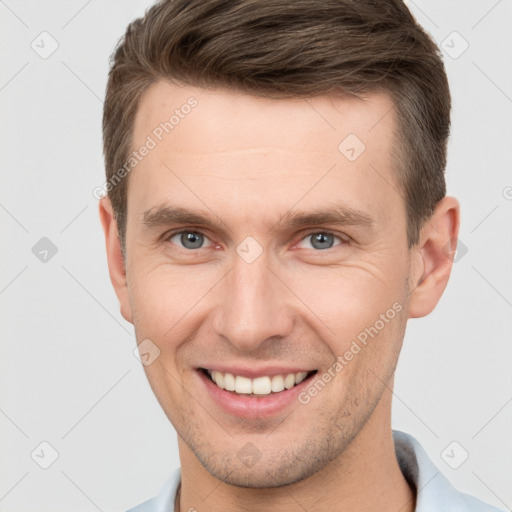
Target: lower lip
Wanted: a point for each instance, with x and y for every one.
(264, 406)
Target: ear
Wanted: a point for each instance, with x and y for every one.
(432, 257)
(116, 264)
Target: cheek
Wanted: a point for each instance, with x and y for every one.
(349, 298)
(164, 296)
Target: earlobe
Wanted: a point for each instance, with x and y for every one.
(116, 263)
(433, 257)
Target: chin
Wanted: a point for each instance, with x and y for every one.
(265, 470)
(262, 478)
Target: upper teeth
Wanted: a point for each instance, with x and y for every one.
(258, 386)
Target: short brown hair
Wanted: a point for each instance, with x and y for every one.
(290, 48)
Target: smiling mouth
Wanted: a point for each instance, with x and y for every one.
(259, 386)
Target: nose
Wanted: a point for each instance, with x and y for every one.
(253, 305)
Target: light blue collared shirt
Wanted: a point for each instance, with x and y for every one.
(434, 492)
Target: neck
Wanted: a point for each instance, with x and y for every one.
(365, 477)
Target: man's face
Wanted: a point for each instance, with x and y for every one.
(255, 294)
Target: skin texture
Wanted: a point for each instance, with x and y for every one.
(248, 162)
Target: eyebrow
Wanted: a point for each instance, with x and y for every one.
(341, 215)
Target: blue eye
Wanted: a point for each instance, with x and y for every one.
(318, 240)
(189, 239)
(321, 240)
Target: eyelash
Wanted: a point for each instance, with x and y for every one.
(342, 237)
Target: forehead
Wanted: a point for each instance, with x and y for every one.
(246, 151)
(231, 120)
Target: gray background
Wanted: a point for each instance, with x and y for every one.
(68, 374)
